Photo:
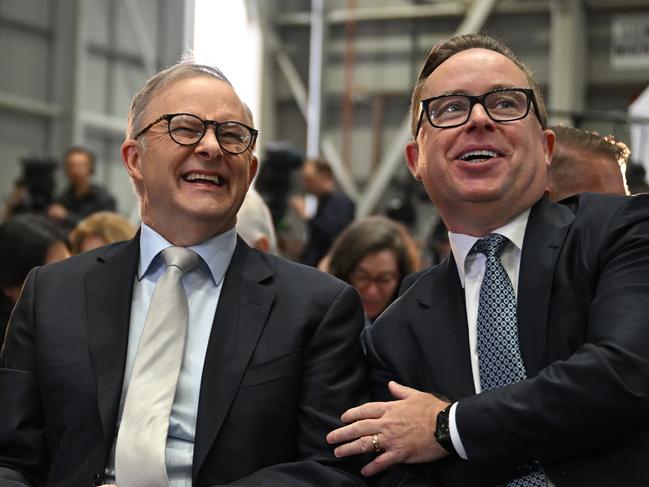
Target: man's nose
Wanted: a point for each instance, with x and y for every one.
(208, 147)
(478, 116)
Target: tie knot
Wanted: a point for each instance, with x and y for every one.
(491, 246)
(184, 259)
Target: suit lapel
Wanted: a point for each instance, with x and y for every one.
(239, 320)
(109, 289)
(546, 228)
(440, 326)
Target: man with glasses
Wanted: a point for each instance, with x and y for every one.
(522, 358)
(182, 357)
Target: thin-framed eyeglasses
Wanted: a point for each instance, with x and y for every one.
(361, 279)
(188, 129)
(501, 105)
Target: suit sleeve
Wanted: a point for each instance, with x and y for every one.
(333, 380)
(598, 395)
(22, 451)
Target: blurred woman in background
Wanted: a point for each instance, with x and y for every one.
(99, 229)
(374, 255)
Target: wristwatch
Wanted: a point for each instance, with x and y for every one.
(443, 432)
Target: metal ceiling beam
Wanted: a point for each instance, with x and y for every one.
(78, 75)
(474, 20)
(567, 58)
(316, 61)
(28, 106)
(108, 124)
(138, 27)
(616, 5)
(406, 11)
(298, 90)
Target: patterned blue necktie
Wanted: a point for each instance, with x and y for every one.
(499, 354)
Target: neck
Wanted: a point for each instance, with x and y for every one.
(186, 234)
(82, 189)
(478, 221)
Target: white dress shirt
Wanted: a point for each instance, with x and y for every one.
(203, 287)
(471, 269)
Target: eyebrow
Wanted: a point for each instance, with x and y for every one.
(499, 86)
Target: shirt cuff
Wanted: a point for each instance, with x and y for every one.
(455, 435)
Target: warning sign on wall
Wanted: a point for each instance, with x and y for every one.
(630, 41)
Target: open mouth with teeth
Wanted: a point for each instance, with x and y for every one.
(195, 178)
(478, 155)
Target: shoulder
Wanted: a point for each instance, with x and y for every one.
(411, 279)
(78, 264)
(600, 214)
(286, 274)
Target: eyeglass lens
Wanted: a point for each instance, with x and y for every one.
(188, 129)
(503, 105)
(361, 279)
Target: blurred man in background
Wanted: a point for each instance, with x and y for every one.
(585, 161)
(327, 215)
(81, 197)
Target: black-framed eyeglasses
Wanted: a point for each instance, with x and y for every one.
(502, 105)
(188, 129)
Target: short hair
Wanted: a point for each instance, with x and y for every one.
(106, 225)
(574, 152)
(446, 49)
(79, 149)
(569, 138)
(254, 221)
(183, 70)
(24, 243)
(368, 236)
(322, 166)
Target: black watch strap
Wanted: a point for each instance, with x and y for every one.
(443, 432)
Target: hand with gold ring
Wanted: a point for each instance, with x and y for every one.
(406, 426)
(375, 443)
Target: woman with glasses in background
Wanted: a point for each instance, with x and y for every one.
(374, 255)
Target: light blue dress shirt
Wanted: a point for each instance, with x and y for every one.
(203, 286)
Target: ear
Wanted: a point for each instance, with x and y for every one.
(253, 165)
(548, 144)
(411, 152)
(131, 159)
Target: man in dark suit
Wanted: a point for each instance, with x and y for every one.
(270, 359)
(335, 210)
(528, 368)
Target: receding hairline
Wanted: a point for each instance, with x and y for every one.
(165, 79)
(247, 119)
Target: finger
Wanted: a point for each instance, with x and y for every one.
(362, 445)
(353, 431)
(369, 410)
(399, 391)
(383, 461)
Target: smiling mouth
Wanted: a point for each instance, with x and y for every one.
(204, 178)
(478, 155)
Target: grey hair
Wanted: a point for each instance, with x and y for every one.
(183, 70)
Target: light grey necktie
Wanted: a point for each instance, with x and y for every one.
(142, 436)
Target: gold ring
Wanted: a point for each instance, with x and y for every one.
(375, 443)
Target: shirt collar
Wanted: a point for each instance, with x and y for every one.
(216, 252)
(461, 244)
